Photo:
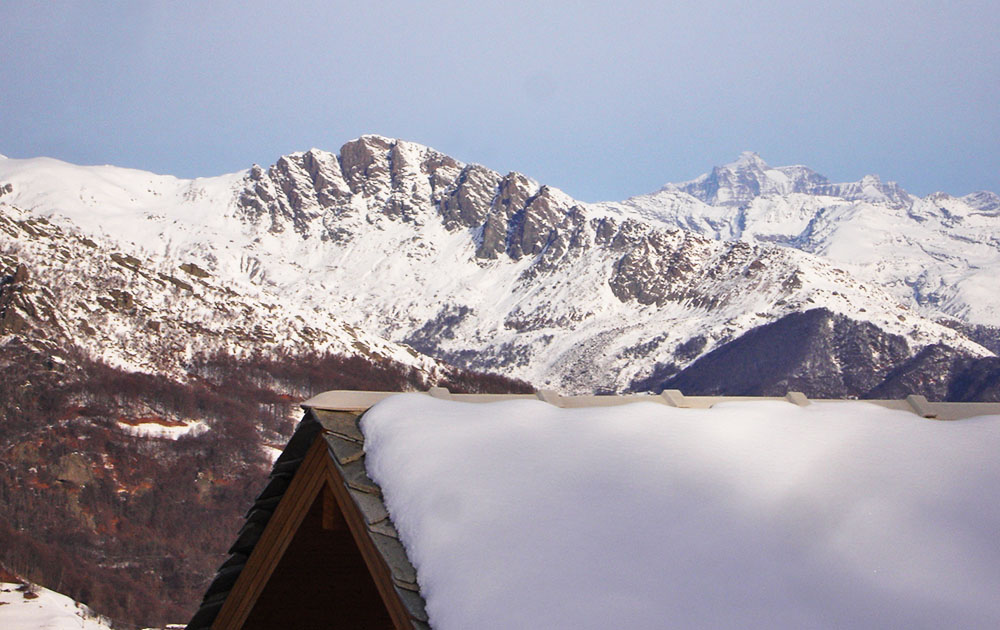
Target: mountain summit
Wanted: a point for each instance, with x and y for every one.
(748, 177)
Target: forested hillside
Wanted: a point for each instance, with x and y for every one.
(96, 505)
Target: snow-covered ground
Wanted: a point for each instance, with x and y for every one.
(158, 428)
(519, 514)
(48, 611)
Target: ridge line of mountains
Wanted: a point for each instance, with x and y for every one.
(580, 297)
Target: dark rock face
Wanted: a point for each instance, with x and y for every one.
(816, 352)
(532, 227)
(929, 373)
(16, 309)
(468, 202)
(978, 380)
(826, 355)
(512, 196)
(363, 163)
(654, 266)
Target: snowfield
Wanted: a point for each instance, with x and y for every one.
(519, 514)
(49, 611)
(158, 428)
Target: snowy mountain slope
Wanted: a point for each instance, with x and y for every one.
(152, 314)
(42, 609)
(477, 268)
(938, 254)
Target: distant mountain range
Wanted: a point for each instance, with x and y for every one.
(391, 249)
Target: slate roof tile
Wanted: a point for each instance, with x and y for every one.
(357, 478)
(346, 451)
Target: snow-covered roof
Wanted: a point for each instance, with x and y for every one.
(747, 513)
(359, 401)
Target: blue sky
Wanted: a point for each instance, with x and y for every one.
(604, 102)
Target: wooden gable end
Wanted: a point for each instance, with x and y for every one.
(323, 559)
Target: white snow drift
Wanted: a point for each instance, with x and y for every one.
(839, 515)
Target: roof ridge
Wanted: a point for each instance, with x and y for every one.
(359, 401)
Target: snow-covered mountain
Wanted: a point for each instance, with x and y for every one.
(938, 254)
(152, 314)
(491, 271)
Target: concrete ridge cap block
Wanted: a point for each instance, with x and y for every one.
(921, 406)
(439, 392)
(549, 396)
(674, 398)
(797, 398)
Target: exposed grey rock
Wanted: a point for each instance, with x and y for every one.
(365, 164)
(533, 227)
(468, 202)
(514, 192)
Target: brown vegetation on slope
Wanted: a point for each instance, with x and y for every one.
(136, 526)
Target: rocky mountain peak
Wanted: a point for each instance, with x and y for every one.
(403, 181)
(388, 176)
(872, 189)
(747, 159)
(738, 183)
(984, 201)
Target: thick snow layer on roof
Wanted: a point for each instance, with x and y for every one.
(48, 611)
(519, 514)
